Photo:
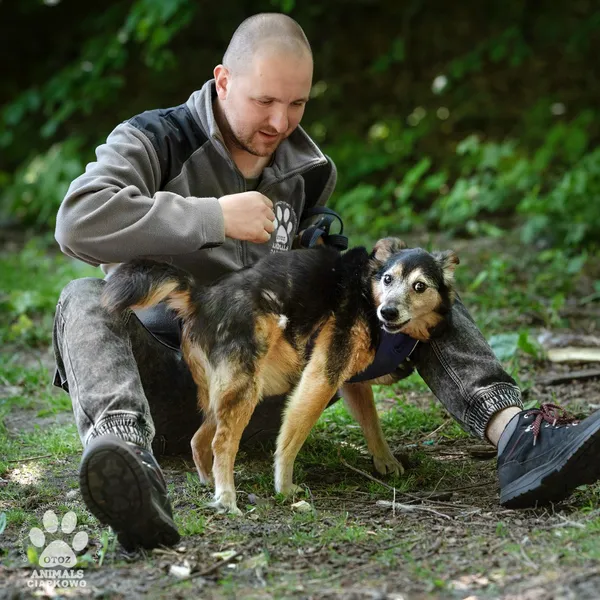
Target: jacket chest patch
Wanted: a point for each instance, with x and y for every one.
(286, 222)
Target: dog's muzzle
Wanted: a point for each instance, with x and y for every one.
(389, 317)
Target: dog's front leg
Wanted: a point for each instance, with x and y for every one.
(234, 409)
(361, 404)
(307, 403)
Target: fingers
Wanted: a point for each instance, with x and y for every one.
(269, 226)
(267, 201)
(261, 238)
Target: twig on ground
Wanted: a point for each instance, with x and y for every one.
(411, 508)
(365, 474)
(496, 546)
(436, 430)
(215, 567)
(568, 523)
(528, 560)
(29, 458)
(417, 497)
(565, 377)
(467, 487)
(209, 571)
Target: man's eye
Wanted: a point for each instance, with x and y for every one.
(265, 102)
(387, 279)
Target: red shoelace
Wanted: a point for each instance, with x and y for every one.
(551, 413)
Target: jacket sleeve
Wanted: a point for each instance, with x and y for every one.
(114, 212)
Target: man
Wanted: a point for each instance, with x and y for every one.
(213, 185)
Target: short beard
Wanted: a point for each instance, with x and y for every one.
(234, 140)
(242, 146)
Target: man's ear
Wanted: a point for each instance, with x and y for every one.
(447, 260)
(385, 247)
(222, 80)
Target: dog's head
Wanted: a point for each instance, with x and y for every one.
(412, 288)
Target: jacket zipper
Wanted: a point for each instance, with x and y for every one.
(243, 245)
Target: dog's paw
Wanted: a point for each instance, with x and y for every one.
(225, 503)
(387, 464)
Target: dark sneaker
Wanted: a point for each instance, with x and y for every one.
(544, 454)
(123, 486)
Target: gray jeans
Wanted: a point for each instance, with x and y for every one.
(123, 380)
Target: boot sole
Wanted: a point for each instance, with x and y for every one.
(118, 493)
(548, 483)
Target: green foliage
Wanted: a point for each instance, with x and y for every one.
(506, 345)
(487, 128)
(550, 189)
(31, 284)
(39, 186)
(96, 76)
(382, 189)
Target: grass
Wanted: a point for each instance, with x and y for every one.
(346, 540)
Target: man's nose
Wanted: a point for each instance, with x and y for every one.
(279, 120)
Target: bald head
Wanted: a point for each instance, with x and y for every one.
(265, 33)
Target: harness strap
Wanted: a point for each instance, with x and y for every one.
(392, 351)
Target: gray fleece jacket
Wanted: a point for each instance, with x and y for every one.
(154, 187)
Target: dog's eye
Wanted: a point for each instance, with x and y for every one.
(387, 279)
(419, 287)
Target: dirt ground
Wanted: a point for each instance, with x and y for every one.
(452, 541)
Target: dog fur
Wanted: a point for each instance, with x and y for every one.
(304, 322)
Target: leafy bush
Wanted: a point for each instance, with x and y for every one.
(387, 185)
(39, 186)
(489, 126)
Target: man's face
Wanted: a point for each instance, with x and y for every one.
(264, 103)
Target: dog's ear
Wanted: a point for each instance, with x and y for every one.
(385, 247)
(447, 260)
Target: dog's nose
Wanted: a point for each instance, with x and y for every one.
(389, 313)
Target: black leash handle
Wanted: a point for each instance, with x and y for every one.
(312, 234)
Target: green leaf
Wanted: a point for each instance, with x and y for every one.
(504, 345)
(32, 556)
(527, 345)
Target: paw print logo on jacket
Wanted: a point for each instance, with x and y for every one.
(285, 227)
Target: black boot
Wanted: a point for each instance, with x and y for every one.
(123, 486)
(544, 454)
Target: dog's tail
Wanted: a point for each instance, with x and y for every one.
(144, 283)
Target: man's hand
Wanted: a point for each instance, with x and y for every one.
(248, 216)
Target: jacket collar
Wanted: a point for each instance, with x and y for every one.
(296, 154)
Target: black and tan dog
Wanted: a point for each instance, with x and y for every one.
(304, 322)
